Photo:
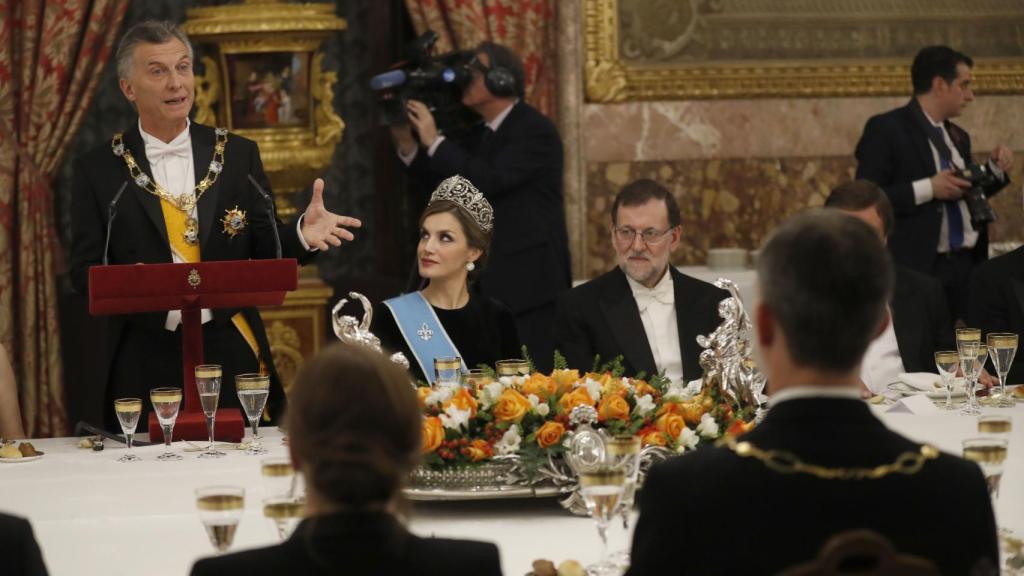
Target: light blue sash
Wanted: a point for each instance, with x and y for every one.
(422, 331)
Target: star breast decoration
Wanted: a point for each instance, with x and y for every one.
(234, 221)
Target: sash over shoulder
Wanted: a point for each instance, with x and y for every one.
(423, 332)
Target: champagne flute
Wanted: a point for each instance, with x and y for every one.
(968, 344)
(447, 371)
(208, 383)
(128, 411)
(623, 452)
(220, 510)
(285, 514)
(253, 390)
(1002, 347)
(989, 453)
(601, 488)
(166, 402)
(947, 361)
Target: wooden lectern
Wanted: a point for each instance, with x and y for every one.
(190, 287)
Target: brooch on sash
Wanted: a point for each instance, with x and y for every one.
(234, 221)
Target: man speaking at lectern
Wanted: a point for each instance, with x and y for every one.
(182, 193)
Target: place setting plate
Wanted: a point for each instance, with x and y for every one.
(939, 393)
(20, 460)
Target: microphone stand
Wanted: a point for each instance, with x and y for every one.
(111, 213)
(270, 209)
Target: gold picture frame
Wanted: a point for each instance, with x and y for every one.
(881, 66)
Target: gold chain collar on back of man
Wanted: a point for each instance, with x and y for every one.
(907, 463)
(186, 202)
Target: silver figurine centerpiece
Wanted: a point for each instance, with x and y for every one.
(727, 359)
(354, 331)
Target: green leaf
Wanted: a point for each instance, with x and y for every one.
(529, 360)
(488, 371)
(560, 362)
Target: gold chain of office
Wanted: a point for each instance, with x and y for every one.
(907, 463)
(186, 203)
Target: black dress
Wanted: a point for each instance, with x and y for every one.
(483, 331)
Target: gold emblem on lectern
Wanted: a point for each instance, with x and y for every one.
(194, 279)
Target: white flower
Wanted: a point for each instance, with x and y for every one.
(542, 409)
(644, 405)
(688, 440)
(627, 383)
(534, 400)
(438, 396)
(682, 392)
(507, 381)
(707, 428)
(509, 443)
(594, 389)
(453, 418)
(490, 394)
(693, 387)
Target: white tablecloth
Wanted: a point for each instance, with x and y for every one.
(93, 515)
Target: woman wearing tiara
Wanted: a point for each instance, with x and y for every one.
(446, 317)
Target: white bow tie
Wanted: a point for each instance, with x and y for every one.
(662, 293)
(157, 151)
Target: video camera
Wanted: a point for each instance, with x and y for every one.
(437, 81)
(980, 176)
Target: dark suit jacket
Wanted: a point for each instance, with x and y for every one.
(601, 317)
(21, 552)
(893, 152)
(358, 544)
(519, 170)
(997, 302)
(920, 319)
(139, 234)
(736, 516)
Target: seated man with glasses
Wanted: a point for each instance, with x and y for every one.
(644, 310)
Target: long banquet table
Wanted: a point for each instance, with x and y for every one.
(93, 515)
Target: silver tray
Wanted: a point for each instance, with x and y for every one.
(487, 493)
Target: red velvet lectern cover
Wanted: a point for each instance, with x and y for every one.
(190, 287)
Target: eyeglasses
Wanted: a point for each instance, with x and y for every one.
(651, 237)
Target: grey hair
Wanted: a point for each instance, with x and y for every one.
(146, 32)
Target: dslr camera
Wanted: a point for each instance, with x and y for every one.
(980, 176)
(435, 80)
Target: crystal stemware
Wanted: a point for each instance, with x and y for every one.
(601, 488)
(279, 477)
(623, 452)
(284, 513)
(968, 344)
(128, 411)
(208, 384)
(1002, 347)
(947, 362)
(989, 453)
(220, 510)
(166, 402)
(447, 371)
(253, 390)
(999, 424)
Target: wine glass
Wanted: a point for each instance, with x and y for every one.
(253, 390)
(623, 452)
(1001, 424)
(220, 509)
(601, 488)
(947, 361)
(285, 514)
(208, 383)
(1002, 347)
(476, 378)
(279, 477)
(448, 371)
(968, 344)
(128, 411)
(166, 402)
(989, 453)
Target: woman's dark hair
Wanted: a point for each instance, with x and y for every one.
(354, 423)
(475, 236)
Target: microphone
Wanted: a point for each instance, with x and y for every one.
(387, 80)
(270, 210)
(111, 213)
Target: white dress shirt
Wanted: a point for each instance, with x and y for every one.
(882, 363)
(658, 314)
(494, 124)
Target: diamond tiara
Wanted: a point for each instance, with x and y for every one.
(462, 192)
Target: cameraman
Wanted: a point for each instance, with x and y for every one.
(915, 154)
(515, 158)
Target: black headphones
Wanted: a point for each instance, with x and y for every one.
(499, 80)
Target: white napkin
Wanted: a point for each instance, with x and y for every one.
(923, 381)
(918, 404)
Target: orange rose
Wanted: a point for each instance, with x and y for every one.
(421, 394)
(692, 411)
(640, 388)
(671, 424)
(540, 386)
(549, 434)
(739, 427)
(577, 397)
(613, 407)
(511, 406)
(462, 400)
(653, 438)
(433, 434)
(670, 408)
(477, 450)
(564, 379)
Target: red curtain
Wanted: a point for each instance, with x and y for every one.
(528, 27)
(52, 53)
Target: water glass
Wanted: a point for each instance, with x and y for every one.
(284, 514)
(601, 488)
(166, 403)
(253, 390)
(128, 411)
(989, 453)
(447, 371)
(1002, 347)
(220, 510)
(947, 362)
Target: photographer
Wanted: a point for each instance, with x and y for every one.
(918, 157)
(515, 158)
